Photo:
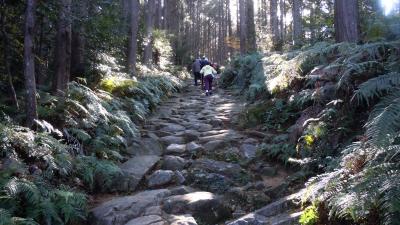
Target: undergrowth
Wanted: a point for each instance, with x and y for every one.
(78, 142)
(334, 110)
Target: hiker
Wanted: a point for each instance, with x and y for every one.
(203, 62)
(208, 72)
(196, 67)
(216, 67)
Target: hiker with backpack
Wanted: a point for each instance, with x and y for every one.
(208, 72)
(196, 67)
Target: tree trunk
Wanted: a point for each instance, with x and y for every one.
(41, 53)
(251, 28)
(274, 23)
(297, 23)
(125, 9)
(243, 28)
(79, 41)
(282, 20)
(148, 41)
(165, 15)
(63, 48)
(264, 19)
(134, 26)
(229, 18)
(346, 21)
(158, 14)
(29, 64)
(6, 51)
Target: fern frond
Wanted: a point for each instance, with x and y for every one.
(384, 121)
(389, 201)
(376, 87)
(5, 217)
(16, 187)
(71, 205)
(362, 70)
(80, 134)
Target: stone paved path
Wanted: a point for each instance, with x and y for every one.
(193, 166)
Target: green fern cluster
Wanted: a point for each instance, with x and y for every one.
(99, 175)
(23, 201)
(364, 188)
(106, 122)
(342, 86)
(40, 164)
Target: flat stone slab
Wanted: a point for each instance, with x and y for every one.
(123, 209)
(148, 220)
(215, 145)
(137, 167)
(256, 219)
(175, 149)
(168, 140)
(173, 163)
(160, 178)
(248, 151)
(148, 146)
(206, 206)
(182, 220)
(172, 128)
(219, 167)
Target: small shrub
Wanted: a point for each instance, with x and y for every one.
(113, 84)
(309, 216)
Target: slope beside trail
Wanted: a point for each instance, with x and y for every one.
(192, 165)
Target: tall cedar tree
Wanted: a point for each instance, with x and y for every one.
(79, 40)
(274, 23)
(148, 42)
(346, 21)
(29, 63)
(243, 27)
(297, 22)
(251, 28)
(134, 26)
(6, 56)
(63, 48)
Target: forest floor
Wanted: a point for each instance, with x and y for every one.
(196, 166)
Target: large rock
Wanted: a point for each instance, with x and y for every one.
(201, 127)
(205, 206)
(215, 122)
(123, 209)
(191, 135)
(169, 140)
(194, 149)
(136, 168)
(248, 151)
(215, 145)
(148, 220)
(175, 149)
(257, 219)
(250, 219)
(182, 220)
(220, 167)
(230, 135)
(160, 178)
(182, 190)
(170, 162)
(212, 182)
(172, 128)
(147, 146)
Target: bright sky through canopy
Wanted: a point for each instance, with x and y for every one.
(388, 5)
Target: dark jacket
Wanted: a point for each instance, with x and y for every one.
(204, 62)
(196, 66)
